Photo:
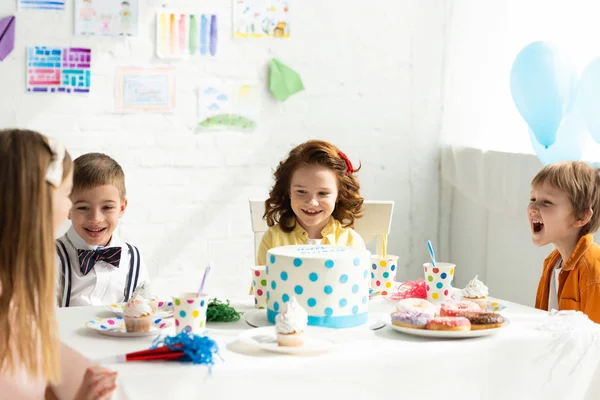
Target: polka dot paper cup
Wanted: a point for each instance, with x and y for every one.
(259, 286)
(439, 281)
(190, 310)
(383, 274)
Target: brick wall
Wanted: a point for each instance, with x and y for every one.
(373, 77)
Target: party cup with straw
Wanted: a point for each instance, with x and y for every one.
(439, 277)
(190, 309)
(383, 271)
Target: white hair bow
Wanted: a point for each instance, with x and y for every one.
(54, 175)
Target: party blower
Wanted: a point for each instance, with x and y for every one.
(185, 347)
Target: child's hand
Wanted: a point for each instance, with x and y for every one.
(98, 384)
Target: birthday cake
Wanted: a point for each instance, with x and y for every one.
(331, 283)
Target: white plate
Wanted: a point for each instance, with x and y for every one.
(258, 319)
(165, 309)
(448, 334)
(266, 339)
(116, 327)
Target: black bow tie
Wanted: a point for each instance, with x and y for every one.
(89, 258)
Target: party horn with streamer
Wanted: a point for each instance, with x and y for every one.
(183, 347)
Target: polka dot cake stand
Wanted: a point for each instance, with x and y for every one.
(116, 327)
(258, 319)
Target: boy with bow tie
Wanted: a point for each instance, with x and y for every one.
(95, 266)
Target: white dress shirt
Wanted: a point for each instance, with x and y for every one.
(553, 295)
(104, 284)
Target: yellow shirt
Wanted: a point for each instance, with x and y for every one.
(333, 234)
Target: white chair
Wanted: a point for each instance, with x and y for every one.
(374, 224)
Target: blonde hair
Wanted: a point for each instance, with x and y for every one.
(348, 207)
(96, 169)
(29, 337)
(581, 183)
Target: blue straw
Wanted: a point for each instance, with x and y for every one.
(431, 253)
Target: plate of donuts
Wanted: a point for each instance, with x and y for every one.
(453, 320)
(448, 334)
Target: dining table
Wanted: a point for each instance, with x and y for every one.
(535, 355)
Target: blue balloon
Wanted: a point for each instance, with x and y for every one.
(570, 141)
(542, 87)
(587, 100)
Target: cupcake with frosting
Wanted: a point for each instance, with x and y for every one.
(290, 324)
(145, 292)
(476, 292)
(138, 315)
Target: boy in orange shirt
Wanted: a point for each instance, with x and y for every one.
(564, 210)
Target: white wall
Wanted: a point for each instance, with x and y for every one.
(373, 77)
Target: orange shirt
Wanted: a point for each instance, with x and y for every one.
(578, 282)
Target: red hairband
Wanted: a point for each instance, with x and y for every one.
(349, 167)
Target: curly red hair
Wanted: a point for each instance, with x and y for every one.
(278, 207)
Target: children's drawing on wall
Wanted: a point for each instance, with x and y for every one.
(145, 89)
(58, 70)
(180, 35)
(261, 18)
(106, 17)
(228, 105)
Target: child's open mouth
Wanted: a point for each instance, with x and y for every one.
(94, 232)
(537, 226)
(311, 213)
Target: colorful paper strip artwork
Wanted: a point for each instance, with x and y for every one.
(180, 35)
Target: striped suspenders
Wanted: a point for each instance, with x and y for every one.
(134, 271)
(66, 277)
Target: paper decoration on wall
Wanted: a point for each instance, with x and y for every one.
(7, 36)
(41, 4)
(228, 105)
(145, 89)
(56, 69)
(107, 17)
(180, 35)
(261, 18)
(283, 81)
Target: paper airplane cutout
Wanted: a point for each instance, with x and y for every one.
(7, 36)
(283, 81)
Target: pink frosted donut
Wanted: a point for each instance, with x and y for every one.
(458, 308)
(409, 319)
(416, 305)
(449, 324)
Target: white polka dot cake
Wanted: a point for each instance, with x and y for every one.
(330, 282)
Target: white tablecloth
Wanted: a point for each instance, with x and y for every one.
(520, 362)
